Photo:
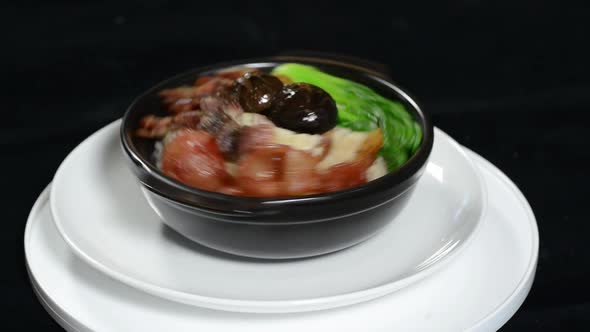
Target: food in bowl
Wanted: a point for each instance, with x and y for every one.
(277, 227)
(293, 131)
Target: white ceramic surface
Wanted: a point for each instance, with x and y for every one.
(478, 291)
(99, 210)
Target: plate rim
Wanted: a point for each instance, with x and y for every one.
(274, 306)
(483, 324)
(526, 281)
(46, 302)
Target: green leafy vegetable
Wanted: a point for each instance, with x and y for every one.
(362, 109)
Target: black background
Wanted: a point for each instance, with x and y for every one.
(509, 80)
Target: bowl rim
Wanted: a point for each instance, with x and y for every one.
(405, 172)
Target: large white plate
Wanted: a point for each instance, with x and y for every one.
(100, 212)
(478, 291)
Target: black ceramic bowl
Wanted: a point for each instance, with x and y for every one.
(276, 228)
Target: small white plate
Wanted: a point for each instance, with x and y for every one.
(478, 291)
(100, 212)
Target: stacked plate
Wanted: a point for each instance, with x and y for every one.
(461, 256)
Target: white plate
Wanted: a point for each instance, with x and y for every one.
(478, 291)
(99, 210)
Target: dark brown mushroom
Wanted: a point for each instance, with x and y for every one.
(256, 92)
(304, 108)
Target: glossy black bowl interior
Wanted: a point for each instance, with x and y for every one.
(285, 209)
